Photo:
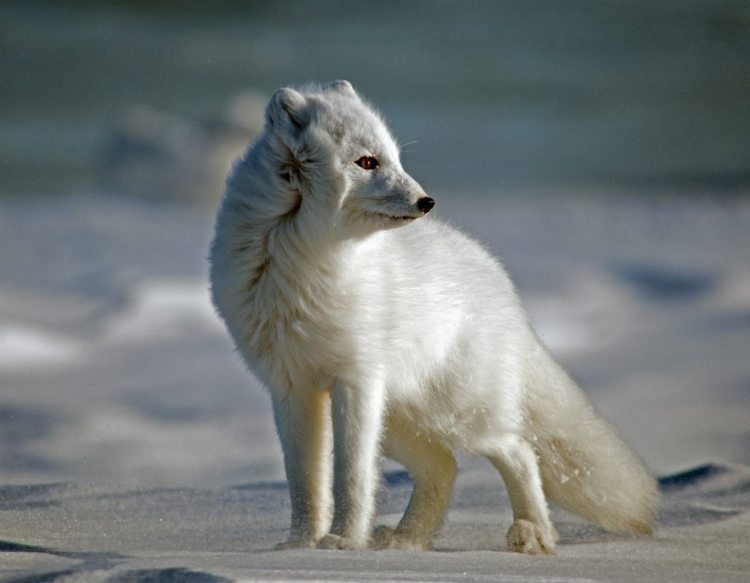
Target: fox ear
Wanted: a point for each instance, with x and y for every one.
(287, 110)
(341, 86)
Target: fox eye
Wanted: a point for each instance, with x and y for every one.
(367, 162)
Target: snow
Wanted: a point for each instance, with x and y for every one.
(135, 445)
(22, 347)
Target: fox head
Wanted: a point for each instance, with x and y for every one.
(336, 155)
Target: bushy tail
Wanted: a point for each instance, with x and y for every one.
(584, 465)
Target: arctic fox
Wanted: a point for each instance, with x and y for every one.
(379, 331)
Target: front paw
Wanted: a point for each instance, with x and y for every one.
(531, 538)
(385, 537)
(335, 541)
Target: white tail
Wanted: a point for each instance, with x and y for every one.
(584, 465)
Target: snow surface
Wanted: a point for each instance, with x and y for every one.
(134, 446)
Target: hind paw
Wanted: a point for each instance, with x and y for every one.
(530, 538)
(385, 537)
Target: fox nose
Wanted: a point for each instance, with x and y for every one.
(425, 204)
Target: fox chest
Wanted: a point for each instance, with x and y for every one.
(298, 338)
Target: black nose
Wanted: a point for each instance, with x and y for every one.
(425, 204)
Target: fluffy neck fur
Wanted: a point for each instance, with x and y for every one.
(268, 194)
(277, 218)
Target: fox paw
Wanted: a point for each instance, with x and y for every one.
(385, 537)
(335, 541)
(530, 538)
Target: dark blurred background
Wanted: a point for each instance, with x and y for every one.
(154, 97)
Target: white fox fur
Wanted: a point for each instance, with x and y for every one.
(378, 331)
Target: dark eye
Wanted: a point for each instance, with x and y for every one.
(367, 163)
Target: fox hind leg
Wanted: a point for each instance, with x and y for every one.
(531, 531)
(433, 469)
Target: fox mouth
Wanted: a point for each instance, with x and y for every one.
(397, 218)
